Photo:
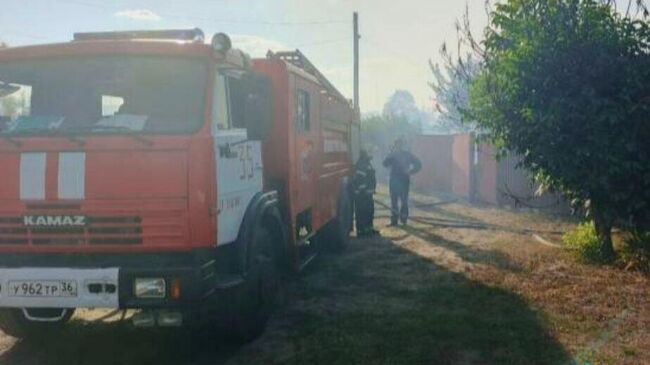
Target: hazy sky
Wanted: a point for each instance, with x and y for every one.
(398, 37)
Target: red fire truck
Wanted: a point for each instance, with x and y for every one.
(149, 170)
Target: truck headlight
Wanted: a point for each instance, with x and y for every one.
(149, 287)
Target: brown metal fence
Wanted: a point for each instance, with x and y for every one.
(435, 152)
(456, 164)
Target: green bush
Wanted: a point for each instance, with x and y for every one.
(636, 252)
(583, 243)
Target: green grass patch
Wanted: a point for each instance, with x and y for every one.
(583, 243)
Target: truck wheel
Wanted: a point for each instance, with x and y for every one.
(14, 323)
(336, 234)
(255, 300)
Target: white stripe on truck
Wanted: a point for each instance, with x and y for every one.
(72, 175)
(32, 176)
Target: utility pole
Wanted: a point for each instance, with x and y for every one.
(355, 21)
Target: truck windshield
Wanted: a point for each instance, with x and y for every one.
(107, 94)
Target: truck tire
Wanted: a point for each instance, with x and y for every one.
(14, 323)
(336, 234)
(254, 302)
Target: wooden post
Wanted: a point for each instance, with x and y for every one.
(355, 20)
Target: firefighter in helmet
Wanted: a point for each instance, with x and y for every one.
(364, 183)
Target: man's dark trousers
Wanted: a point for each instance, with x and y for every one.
(399, 199)
(365, 211)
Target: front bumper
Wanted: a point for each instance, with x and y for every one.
(107, 281)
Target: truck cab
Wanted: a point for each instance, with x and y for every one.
(153, 171)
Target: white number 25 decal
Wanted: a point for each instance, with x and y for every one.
(246, 159)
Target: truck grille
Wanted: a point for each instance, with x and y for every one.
(98, 230)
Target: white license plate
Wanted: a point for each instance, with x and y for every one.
(43, 288)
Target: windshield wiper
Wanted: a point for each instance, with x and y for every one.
(73, 135)
(122, 129)
(70, 137)
(58, 133)
(31, 132)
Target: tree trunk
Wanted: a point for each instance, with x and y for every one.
(603, 227)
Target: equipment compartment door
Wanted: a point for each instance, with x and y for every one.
(306, 142)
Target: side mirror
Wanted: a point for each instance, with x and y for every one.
(256, 113)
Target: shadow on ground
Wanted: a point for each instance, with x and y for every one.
(490, 257)
(381, 304)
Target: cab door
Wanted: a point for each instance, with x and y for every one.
(239, 167)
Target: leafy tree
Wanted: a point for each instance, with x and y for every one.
(401, 106)
(565, 84)
(451, 83)
(380, 131)
(400, 118)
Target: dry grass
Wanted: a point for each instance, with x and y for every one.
(598, 314)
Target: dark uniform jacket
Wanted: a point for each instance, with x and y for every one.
(365, 181)
(402, 165)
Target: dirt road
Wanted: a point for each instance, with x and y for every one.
(458, 285)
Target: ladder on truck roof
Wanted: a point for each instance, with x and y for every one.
(195, 35)
(299, 60)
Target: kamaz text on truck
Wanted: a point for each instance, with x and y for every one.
(149, 170)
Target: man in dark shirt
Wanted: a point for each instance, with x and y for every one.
(365, 184)
(402, 165)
